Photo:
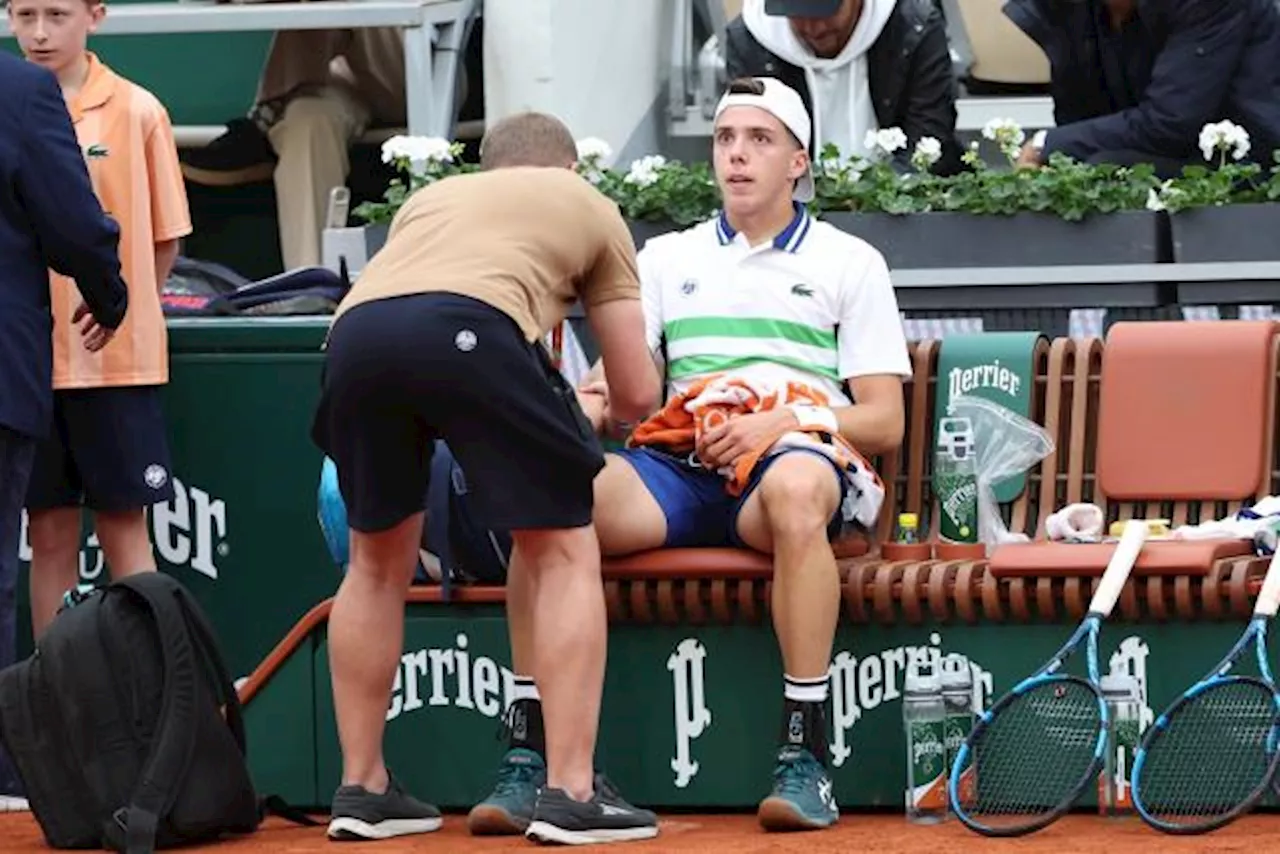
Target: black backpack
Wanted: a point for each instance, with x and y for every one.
(125, 726)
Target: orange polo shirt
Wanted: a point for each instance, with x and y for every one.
(127, 141)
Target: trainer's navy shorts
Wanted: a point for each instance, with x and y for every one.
(107, 449)
(404, 371)
(700, 511)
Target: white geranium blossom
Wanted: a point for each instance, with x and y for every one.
(644, 172)
(1226, 137)
(928, 152)
(418, 150)
(1007, 134)
(885, 141)
(594, 148)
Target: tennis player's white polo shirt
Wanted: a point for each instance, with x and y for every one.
(815, 305)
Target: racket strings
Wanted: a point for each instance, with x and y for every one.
(1212, 757)
(1034, 755)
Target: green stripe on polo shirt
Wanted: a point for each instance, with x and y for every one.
(749, 327)
(711, 364)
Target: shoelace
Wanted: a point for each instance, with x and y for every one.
(791, 775)
(513, 777)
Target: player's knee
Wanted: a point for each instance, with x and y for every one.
(799, 493)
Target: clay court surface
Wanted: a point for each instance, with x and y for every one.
(879, 834)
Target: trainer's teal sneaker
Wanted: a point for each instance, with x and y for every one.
(802, 797)
(509, 808)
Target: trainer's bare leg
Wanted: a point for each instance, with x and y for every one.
(569, 644)
(125, 541)
(366, 638)
(787, 515)
(55, 561)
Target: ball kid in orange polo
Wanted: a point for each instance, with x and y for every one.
(108, 449)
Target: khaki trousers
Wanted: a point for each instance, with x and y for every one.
(334, 85)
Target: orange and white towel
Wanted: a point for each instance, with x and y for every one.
(713, 400)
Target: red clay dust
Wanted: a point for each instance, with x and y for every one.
(739, 834)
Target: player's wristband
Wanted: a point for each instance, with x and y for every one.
(816, 416)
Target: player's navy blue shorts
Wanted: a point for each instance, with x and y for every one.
(699, 510)
(107, 449)
(402, 372)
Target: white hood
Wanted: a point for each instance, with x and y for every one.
(839, 87)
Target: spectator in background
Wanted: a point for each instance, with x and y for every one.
(48, 218)
(859, 65)
(318, 92)
(108, 449)
(1134, 81)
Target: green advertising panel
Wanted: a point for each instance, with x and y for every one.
(241, 531)
(996, 366)
(692, 714)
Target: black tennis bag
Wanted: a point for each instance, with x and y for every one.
(125, 726)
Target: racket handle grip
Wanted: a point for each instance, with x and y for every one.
(1269, 596)
(1118, 568)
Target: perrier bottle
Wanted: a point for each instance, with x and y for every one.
(955, 481)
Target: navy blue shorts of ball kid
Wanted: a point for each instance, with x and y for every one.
(107, 449)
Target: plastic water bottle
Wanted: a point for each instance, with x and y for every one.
(955, 480)
(1123, 695)
(908, 530)
(924, 720)
(957, 697)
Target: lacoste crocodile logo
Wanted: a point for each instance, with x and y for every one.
(96, 151)
(801, 290)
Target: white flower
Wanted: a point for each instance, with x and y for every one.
(594, 148)
(928, 152)
(885, 141)
(1154, 200)
(418, 150)
(1005, 133)
(645, 171)
(1226, 137)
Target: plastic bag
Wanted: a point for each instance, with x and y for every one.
(1006, 445)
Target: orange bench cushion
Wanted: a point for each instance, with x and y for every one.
(708, 563)
(1158, 557)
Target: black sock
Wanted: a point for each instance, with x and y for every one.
(804, 718)
(526, 726)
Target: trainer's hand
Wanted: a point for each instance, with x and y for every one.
(95, 336)
(722, 445)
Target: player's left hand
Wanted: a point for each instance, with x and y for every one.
(721, 445)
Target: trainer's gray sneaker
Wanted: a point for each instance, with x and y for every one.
(358, 814)
(559, 818)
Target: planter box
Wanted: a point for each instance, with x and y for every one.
(356, 244)
(951, 240)
(643, 230)
(943, 240)
(1228, 233)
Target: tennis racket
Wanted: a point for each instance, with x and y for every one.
(1211, 755)
(1029, 757)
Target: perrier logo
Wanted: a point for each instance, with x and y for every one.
(928, 751)
(994, 375)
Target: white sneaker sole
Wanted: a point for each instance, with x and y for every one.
(541, 831)
(346, 828)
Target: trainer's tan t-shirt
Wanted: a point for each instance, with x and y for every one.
(528, 241)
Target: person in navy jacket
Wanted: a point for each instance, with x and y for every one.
(1134, 81)
(49, 218)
